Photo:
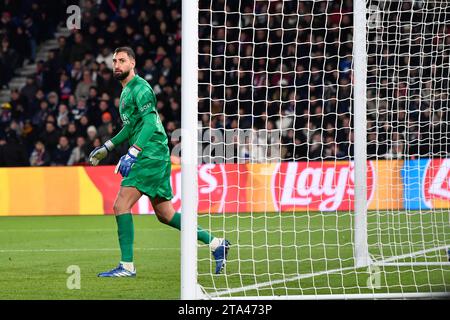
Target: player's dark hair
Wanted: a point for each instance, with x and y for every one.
(129, 51)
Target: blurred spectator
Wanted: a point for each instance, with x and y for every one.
(62, 117)
(5, 114)
(13, 152)
(53, 101)
(62, 152)
(105, 56)
(82, 90)
(63, 52)
(95, 113)
(91, 134)
(105, 130)
(149, 71)
(19, 105)
(107, 84)
(72, 133)
(78, 155)
(41, 114)
(50, 69)
(8, 61)
(21, 42)
(80, 110)
(83, 125)
(76, 73)
(65, 86)
(396, 149)
(39, 155)
(51, 136)
(78, 49)
(29, 90)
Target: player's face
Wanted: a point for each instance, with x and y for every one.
(122, 65)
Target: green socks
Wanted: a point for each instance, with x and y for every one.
(125, 231)
(126, 236)
(202, 235)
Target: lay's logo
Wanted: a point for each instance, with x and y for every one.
(318, 186)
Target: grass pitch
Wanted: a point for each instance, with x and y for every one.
(35, 253)
(272, 254)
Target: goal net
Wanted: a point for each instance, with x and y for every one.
(323, 147)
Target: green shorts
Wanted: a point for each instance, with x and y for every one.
(151, 177)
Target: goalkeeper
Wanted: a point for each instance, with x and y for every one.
(146, 166)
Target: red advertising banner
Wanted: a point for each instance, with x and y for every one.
(436, 184)
(222, 188)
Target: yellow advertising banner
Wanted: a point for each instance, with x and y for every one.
(48, 191)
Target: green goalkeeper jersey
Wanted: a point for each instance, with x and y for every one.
(141, 123)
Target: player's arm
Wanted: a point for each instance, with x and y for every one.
(148, 129)
(122, 136)
(146, 103)
(101, 152)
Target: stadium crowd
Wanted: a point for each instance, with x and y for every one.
(70, 105)
(284, 77)
(284, 70)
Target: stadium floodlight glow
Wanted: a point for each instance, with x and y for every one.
(324, 152)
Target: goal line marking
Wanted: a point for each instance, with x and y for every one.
(389, 261)
(314, 274)
(79, 250)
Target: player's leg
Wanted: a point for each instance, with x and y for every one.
(125, 200)
(166, 214)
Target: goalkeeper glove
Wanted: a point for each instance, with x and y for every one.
(127, 161)
(100, 153)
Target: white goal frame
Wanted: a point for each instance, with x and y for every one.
(190, 289)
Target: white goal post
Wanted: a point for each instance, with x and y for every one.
(362, 258)
(316, 139)
(189, 163)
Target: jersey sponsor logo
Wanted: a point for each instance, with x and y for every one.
(436, 183)
(124, 118)
(326, 186)
(145, 107)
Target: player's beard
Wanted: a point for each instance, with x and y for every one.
(122, 75)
